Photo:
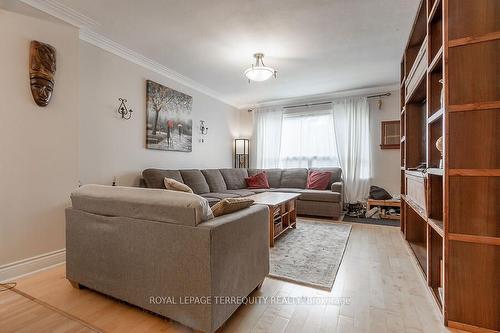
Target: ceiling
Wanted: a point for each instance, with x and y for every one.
(317, 46)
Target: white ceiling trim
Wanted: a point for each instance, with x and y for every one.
(62, 12)
(137, 58)
(325, 97)
(85, 24)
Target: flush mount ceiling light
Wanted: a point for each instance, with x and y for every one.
(259, 71)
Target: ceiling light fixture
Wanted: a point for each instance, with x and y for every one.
(259, 71)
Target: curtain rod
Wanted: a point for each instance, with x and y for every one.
(302, 105)
(324, 103)
(379, 95)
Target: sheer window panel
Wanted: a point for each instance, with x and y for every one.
(308, 140)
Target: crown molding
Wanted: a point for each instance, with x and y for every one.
(87, 33)
(107, 44)
(325, 96)
(62, 12)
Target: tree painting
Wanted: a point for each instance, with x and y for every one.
(169, 123)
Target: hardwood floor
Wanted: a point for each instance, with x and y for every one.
(377, 275)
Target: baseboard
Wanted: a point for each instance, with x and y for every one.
(18, 269)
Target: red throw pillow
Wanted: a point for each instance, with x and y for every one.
(318, 180)
(258, 181)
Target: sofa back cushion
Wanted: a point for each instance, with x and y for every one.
(195, 180)
(234, 178)
(273, 176)
(153, 178)
(294, 178)
(215, 180)
(336, 174)
(141, 203)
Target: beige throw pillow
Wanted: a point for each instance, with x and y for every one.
(174, 185)
(230, 205)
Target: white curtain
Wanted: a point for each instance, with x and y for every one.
(351, 119)
(266, 140)
(308, 139)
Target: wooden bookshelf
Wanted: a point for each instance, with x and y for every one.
(450, 215)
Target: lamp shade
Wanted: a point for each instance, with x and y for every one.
(240, 146)
(259, 73)
(241, 153)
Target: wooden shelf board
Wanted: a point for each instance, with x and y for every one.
(435, 171)
(475, 39)
(437, 225)
(477, 239)
(416, 208)
(474, 172)
(435, 62)
(418, 93)
(435, 293)
(435, 116)
(433, 11)
(420, 251)
(474, 106)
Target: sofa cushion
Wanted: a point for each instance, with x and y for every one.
(317, 195)
(318, 180)
(153, 178)
(336, 174)
(219, 196)
(174, 185)
(242, 192)
(231, 205)
(234, 178)
(294, 178)
(215, 180)
(257, 181)
(273, 175)
(195, 180)
(141, 203)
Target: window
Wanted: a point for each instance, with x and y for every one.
(308, 140)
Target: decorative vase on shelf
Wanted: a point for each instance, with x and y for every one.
(439, 146)
(441, 100)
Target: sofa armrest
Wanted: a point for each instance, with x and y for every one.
(339, 188)
(239, 255)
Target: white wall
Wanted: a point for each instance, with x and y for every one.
(110, 146)
(385, 162)
(39, 146)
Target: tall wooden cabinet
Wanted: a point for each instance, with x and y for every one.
(450, 89)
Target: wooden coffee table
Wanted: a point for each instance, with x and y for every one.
(282, 212)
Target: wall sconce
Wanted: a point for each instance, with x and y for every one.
(203, 131)
(241, 153)
(123, 111)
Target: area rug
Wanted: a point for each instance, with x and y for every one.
(310, 254)
(391, 223)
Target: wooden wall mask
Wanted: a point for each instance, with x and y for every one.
(42, 71)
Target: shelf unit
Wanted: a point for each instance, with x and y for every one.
(450, 211)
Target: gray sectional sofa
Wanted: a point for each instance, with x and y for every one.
(151, 248)
(217, 184)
